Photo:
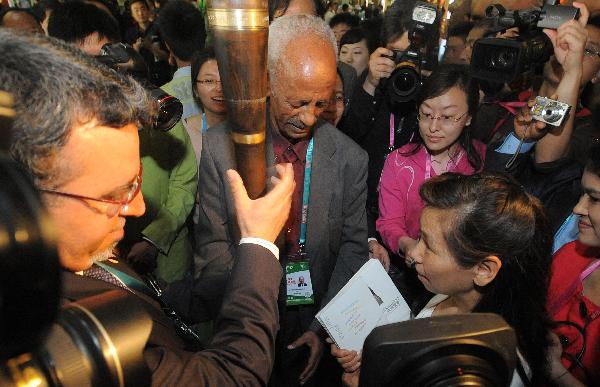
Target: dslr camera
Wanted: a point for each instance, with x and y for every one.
(502, 60)
(122, 57)
(405, 81)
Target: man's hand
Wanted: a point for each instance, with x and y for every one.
(313, 341)
(380, 66)
(569, 40)
(264, 217)
(142, 257)
(377, 251)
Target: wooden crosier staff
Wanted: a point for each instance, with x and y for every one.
(240, 29)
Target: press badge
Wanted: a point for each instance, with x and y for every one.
(299, 284)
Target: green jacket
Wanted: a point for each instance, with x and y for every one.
(169, 184)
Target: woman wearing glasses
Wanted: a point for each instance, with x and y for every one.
(574, 293)
(448, 103)
(208, 94)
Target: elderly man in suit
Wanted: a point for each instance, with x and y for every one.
(81, 147)
(330, 170)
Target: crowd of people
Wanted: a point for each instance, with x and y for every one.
(470, 203)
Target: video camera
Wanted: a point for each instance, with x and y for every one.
(502, 60)
(405, 81)
(474, 349)
(96, 341)
(123, 57)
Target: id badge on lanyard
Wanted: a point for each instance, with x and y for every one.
(299, 284)
(297, 272)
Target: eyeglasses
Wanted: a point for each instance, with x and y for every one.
(446, 121)
(211, 83)
(113, 207)
(591, 50)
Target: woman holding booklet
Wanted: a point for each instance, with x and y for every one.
(485, 246)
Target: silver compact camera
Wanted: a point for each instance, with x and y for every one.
(550, 111)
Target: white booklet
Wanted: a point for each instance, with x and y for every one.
(370, 299)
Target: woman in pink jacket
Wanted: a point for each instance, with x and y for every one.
(448, 103)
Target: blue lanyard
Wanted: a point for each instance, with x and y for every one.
(204, 124)
(306, 195)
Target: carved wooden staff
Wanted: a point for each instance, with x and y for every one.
(240, 29)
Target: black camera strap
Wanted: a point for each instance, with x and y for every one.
(153, 290)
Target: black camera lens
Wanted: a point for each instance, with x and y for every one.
(169, 111)
(505, 59)
(404, 83)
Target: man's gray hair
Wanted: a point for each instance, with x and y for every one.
(286, 29)
(57, 87)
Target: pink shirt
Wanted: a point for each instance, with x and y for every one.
(400, 205)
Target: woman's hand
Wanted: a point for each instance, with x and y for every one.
(559, 375)
(349, 360)
(377, 251)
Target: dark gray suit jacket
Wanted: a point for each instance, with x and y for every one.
(242, 349)
(336, 243)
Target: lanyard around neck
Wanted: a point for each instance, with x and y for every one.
(589, 270)
(306, 194)
(128, 280)
(392, 131)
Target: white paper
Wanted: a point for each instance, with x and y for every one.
(368, 300)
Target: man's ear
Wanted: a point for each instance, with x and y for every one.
(486, 270)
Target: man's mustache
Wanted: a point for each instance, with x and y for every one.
(296, 122)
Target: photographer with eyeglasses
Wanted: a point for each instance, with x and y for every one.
(76, 135)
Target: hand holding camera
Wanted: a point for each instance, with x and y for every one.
(532, 120)
(381, 65)
(569, 40)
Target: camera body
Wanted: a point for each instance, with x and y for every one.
(123, 57)
(550, 111)
(503, 60)
(405, 80)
